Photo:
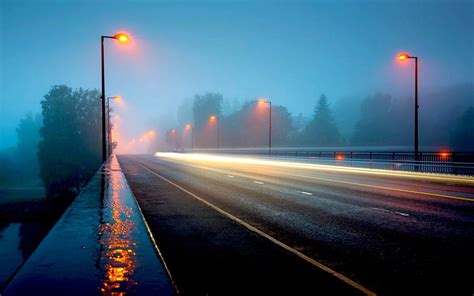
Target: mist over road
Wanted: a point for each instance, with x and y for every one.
(229, 226)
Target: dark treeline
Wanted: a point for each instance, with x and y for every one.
(61, 145)
(20, 163)
(70, 139)
(446, 120)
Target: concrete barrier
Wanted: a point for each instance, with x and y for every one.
(101, 245)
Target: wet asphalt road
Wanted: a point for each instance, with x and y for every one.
(391, 235)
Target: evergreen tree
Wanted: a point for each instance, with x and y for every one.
(322, 129)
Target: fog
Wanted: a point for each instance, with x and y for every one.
(290, 53)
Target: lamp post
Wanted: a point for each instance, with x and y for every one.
(175, 136)
(265, 101)
(109, 129)
(404, 57)
(215, 119)
(121, 38)
(110, 133)
(189, 128)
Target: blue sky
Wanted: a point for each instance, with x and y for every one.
(289, 51)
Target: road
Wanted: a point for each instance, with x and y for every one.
(230, 225)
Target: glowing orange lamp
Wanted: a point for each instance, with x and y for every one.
(213, 119)
(403, 56)
(189, 128)
(121, 37)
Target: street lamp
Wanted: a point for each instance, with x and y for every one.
(189, 128)
(109, 128)
(403, 57)
(121, 38)
(263, 102)
(215, 119)
(175, 136)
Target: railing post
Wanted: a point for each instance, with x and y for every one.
(420, 157)
(453, 162)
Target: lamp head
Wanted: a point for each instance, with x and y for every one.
(403, 56)
(121, 37)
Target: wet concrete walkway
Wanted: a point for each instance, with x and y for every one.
(100, 246)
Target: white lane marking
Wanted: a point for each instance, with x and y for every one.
(267, 236)
(307, 193)
(230, 176)
(258, 182)
(390, 211)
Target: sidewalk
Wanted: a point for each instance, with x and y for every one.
(100, 245)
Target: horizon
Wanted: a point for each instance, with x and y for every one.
(181, 49)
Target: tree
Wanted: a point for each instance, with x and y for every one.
(322, 129)
(283, 130)
(184, 113)
(248, 127)
(382, 122)
(204, 106)
(70, 145)
(27, 144)
(462, 136)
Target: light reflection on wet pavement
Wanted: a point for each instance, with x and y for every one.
(100, 246)
(118, 255)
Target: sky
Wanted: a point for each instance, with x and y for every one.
(289, 51)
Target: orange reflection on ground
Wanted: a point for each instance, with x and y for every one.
(118, 256)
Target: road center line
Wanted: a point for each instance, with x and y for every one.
(230, 176)
(258, 182)
(390, 211)
(267, 236)
(383, 187)
(307, 193)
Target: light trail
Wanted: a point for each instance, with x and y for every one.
(319, 167)
(332, 180)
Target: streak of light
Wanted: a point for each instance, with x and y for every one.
(431, 194)
(206, 158)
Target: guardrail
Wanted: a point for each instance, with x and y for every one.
(458, 163)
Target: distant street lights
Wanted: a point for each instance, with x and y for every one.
(404, 57)
(109, 127)
(189, 128)
(215, 119)
(175, 138)
(263, 102)
(121, 38)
